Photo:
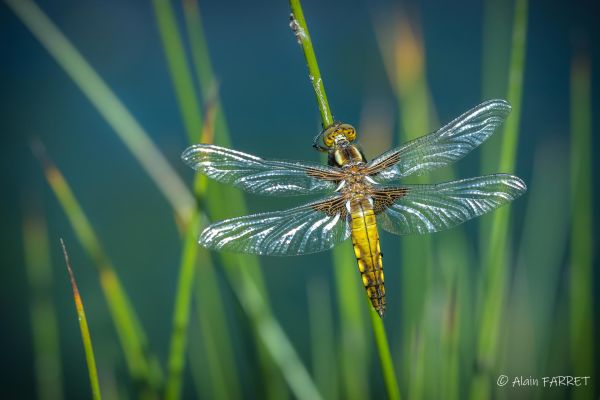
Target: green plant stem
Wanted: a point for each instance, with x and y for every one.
(199, 48)
(215, 129)
(181, 314)
(298, 25)
(497, 25)
(44, 325)
(495, 277)
(273, 384)
(270, 354)
(508, 152)
(353, 357)
(417, 385)
(354, 353)
(85, 331)
(496, 28)
(385, 358)
(180, 73)
(405, 64)
(219, 370)
(581, 260)
(322, 339)
(450, 350)
(190, 111)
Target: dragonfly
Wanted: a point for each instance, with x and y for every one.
(359, 196)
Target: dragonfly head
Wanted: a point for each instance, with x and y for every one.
(336, 135)
(339, 133)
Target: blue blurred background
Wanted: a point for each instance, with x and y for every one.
(270, 110)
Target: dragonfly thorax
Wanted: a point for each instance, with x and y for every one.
(345, 154)
(355, 186)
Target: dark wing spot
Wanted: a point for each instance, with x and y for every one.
(324, 175)
(385, 197)
(332, 207)
(383, 164)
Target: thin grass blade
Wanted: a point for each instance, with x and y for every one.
(215, 193)
(44, 326)
(322, 339)
(85, 331)
(208, 85)
(215, 124)
(416, 388)
(494, 282)
(198, 46)
(526, 343)
(187, 270)
(176, 362)
(181, 76)
(497, 24)
(216, 342)
(582, 232)
(142, 366)
(403, 55)
(215, 334)
(211, 314)
(450, 346)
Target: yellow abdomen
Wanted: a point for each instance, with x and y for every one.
(365, 239)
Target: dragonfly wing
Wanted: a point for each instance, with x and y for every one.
(419, 209)
(443, 147)
(310, 228)
(259, 176)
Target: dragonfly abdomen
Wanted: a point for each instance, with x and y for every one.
(365, 239)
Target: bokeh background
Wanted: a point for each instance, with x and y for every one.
(395, 70)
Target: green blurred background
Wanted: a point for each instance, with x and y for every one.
(395, 70)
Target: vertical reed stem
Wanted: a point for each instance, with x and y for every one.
(385, 357)
(582, 248)
(44, 325)
(298, 25)
(176, 363)
(495, 279)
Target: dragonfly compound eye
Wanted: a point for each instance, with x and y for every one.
(345, 130)
(348, 131)
(329, 138)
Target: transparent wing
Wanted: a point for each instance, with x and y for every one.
(430, 208)
(306, 229)
(259, 176)
(440, 148)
